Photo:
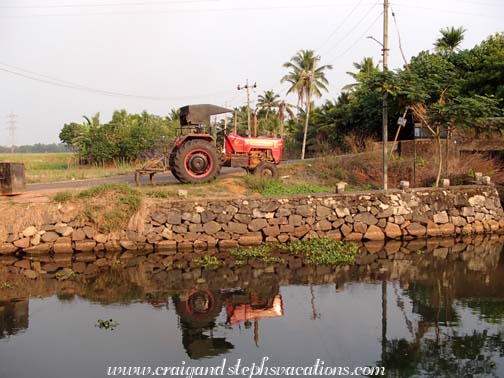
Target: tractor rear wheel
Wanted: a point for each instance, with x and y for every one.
(196, 161)
(266, 169)
(172, 162)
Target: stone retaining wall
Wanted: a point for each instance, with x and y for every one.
(169, 226)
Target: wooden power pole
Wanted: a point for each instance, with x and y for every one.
(385, 103)
(247, 88)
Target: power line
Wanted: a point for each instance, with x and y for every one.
(345, 19)
(106, 4)
(354, 27)
(70, 85)
(447, 10)
(173, 11)
(358, 39)
(399, 37)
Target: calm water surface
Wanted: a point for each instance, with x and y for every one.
(434, 318)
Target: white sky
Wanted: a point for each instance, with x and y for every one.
(190, 51)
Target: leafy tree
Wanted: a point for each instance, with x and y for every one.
(431, 89)
(126, 138)
(482, 68)
(306, 78)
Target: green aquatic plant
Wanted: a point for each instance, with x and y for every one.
(6, 285)
(207, 262)
(106, 324)
(260, 253)
(324, 251)
(257, 253)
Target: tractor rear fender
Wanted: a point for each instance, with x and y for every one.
(184, 138)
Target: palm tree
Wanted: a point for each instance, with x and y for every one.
(450, 40)
(365, 69)
(174, 114)
(283, 109)
(306, 79)
(268, 101)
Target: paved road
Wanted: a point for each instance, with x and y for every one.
(162, 178)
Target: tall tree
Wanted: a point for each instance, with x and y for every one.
(450, 40)
(268, 101)
(306, 78)
(365, 69)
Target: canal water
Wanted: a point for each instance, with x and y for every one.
(434, 316)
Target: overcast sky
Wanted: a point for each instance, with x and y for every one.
(169, 53)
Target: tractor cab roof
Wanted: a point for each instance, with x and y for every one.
(194, 115)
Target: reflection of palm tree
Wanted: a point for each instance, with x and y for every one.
(306, 79)
(450, 40)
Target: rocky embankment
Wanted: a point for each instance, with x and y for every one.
(46, 237)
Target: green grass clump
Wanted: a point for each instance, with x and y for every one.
(207, 262)
(160, 194)
(324, 251)
(110, 206)
(62, 197)
(268, 187)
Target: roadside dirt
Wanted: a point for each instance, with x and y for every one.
(228, 185)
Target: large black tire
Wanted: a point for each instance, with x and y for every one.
(266, 169)
(172, 162)
(196, 161)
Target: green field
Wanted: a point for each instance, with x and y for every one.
(51, 167)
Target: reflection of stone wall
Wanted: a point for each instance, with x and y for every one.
(465, 260)
(183, 226)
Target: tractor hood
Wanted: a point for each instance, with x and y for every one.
(193, 115)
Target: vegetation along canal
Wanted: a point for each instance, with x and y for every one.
(433, 309)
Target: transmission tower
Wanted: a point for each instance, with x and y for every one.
(11, 121)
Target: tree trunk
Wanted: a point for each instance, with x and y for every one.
(308, 95)
(440, 156)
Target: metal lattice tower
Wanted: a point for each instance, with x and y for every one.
(11, 121)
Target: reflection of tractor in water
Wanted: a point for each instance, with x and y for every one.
(196, 158)
(199, 311)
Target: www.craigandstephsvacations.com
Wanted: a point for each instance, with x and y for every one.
(238, 368)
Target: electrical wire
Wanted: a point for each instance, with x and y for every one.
(174, 11)
(106, 4)
(70, 85)
(399, 37)
(357, 39)
(353, 28)
(447, 11)
(345, 19)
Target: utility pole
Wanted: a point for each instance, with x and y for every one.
(247, 87)
(11, 120)
(385, 105)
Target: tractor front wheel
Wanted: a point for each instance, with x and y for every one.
(196, 161)
(266, 169)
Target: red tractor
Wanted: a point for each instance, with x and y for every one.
(196, 156)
